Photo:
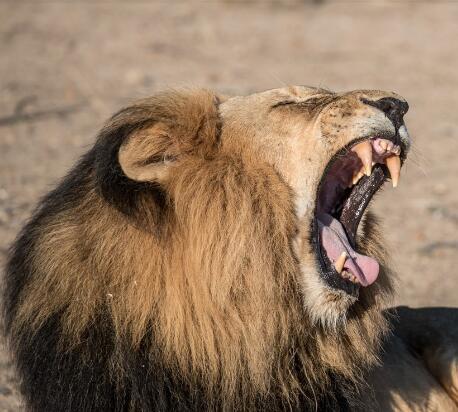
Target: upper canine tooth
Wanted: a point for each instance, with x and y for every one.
(340, 262)
(383, 144)
(364, 152)
(394, 166)
(357, 177)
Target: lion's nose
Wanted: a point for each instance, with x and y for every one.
(393, 108)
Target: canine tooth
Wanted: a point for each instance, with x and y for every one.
(394, 166)
(364, 152)
(340, 262)
(369, 169)
(357, 177)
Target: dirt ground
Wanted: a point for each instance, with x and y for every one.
(66, 66)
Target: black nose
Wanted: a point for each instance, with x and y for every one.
(394, 109)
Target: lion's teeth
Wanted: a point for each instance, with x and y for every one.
(396, 150)
(340, 262)
(364, 152)
(357, 177)
(383, 144)
(394, 166)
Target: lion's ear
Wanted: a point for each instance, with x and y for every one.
(163, 128)
(144, 142)
(147, 155)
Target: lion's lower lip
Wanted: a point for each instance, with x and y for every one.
(349, 184)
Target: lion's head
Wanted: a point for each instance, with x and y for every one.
(323, 145)
(228, 229)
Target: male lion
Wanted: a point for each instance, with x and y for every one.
(211, 253)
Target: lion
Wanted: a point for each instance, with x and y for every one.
(214, 253)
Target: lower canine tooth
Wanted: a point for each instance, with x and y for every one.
(340, 262)
(394, 166)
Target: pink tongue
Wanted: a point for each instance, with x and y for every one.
(334, 241)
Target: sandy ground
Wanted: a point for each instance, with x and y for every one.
(66, 66)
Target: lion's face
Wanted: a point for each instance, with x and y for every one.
(334, 150)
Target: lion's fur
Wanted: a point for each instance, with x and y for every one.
(418, 370)
(205, 269)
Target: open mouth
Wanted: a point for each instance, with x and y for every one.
(349, 182)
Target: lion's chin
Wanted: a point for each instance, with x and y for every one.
(326, 305)
(350, 181)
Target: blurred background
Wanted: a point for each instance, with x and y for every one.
(65, 66)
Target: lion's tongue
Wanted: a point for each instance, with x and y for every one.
(334, 241)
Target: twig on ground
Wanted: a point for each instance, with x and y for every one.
(20, 115)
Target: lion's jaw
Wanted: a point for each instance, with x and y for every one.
(318, 142)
